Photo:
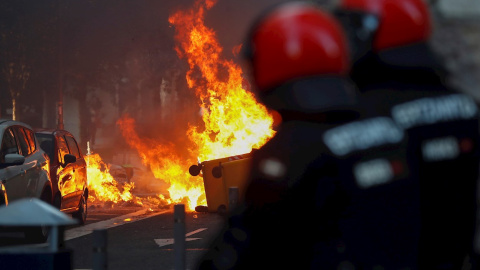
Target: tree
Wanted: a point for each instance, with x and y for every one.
(14, 66)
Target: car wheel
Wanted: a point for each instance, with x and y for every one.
(81, 214)
(3, 199)
(39, 234)
(57, 201)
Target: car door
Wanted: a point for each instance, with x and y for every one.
(13, 177)
(66, 176)
(30, 167)
(79, 167)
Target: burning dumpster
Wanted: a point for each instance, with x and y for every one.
(235, 174)
(221, 174)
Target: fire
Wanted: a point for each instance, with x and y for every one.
(165, 165)
(233, 121)
(102, 184)
(104, 188)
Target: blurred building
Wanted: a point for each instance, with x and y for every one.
(456, 38)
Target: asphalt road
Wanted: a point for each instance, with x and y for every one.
(137, 237)
(140, 238)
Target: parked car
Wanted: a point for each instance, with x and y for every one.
(23, 170)
(68, 171)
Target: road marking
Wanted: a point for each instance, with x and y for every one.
(196, 231)
(170, 241)
(110, 223)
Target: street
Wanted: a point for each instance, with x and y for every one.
(136, 237)
(143, 242)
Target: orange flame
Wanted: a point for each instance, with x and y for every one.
(165, 165)
(102, 184)
(234, 123)
(104, 188)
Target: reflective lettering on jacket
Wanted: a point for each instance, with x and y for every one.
(373, 172)
(362, 135)
(433, 110)
(438, 149)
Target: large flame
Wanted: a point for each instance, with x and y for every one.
(234, 123)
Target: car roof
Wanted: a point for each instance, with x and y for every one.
(52, 131)
(44, 130)
(10, 122)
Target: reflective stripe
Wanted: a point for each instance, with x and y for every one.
(362, 135)
(432, 110)
(438, 149)
(373, 172)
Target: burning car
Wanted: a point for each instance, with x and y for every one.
(68, 172)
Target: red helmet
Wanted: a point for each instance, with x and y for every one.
(295, 40)
(401, 22)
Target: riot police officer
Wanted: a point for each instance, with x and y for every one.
(332, 188)
(399, 76)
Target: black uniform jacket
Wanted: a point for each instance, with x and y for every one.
(443, 147)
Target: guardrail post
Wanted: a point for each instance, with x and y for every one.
(233, 195)
(100, 249)
(53, 240)
(179, 236)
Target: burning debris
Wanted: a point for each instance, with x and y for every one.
(101, 183)
(106, 192)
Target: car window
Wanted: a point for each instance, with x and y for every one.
(72, 145)
(22, 140)
(62, 149)
(46, 142)
(9, 145)
(31, 140)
